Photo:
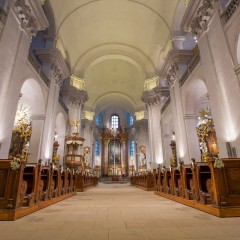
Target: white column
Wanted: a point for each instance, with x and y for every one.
(87, 132)
(179, 125)
(61, 148)
(152, 98)
(177, 112)
(50, 121)
(155, 134)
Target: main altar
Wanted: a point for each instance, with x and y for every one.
(114, 155)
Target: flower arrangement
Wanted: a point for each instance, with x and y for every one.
(218, 163)
(15, 163)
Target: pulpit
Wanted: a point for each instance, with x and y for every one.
(74, 157)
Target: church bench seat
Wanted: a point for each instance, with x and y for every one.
(168, 181)
(187, 180)
(84, 181)
(205, 187)
(144, 181)
(202, 179)
(29, 188)
(177, 185)
(31, 176)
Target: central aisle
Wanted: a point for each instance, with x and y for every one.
(119, 212)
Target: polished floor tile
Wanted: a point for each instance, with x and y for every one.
(119, 212)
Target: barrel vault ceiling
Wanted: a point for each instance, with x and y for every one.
(114, 45)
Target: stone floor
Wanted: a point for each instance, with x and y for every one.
(119, 212)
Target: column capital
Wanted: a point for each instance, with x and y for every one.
(79, 99)
(154, 96)
(86, 123)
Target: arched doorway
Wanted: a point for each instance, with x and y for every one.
(198, 120)
(29, 121)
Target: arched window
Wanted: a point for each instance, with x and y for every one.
(131, 147)
(114, 121)
(97, 148)
(98, 120)
(130, 119)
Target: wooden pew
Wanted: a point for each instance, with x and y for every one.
(84, 181)
(161, 180)
(177, 183)
(202, 182)
(30, 175)
(205, 187)
(188, 181)
(46, 180)
(226, 184)
(144, 181)
(155, 179)
(168, 181)
(29, 188)
(56, 182)
(12, 188)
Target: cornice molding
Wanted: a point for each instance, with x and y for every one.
(175, 57)
(76, 97)
(58, 68)
(154, 96)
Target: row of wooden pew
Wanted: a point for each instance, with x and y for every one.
(85, 182)
(32, 187)
(143, 180)
(203, 186)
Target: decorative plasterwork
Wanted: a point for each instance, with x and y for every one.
(169, 70)
(78, 98)
(24, 15)
(171, 74)
(200, 14)
(87, 124)
(31, 16)
(58, 68)
(154, 96)
(176, 57)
